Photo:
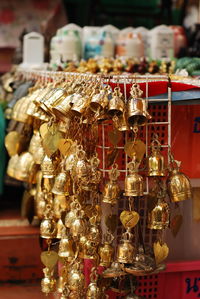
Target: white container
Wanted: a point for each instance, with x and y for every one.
(107, 45)
(114, 31)
(56, 48)
(33, 50)
(70, 46)
(161, 42)
(144, 34)
(90, 41)
(130, 46)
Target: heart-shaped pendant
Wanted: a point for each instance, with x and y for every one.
(129, 219)
(49, 258)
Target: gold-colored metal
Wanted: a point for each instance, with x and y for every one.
(12, 163)
(65, 249)
(137, 108)
(112, 189)
(156, 165)
(24, 167)
(48, 228)
(178, 185)
(116, 104)
(47, 167)
(134, 185)
(62, 184)
(76, 278)
(158, 218)
(62, 108)
(106, 251)
(48, 283)
(93, 291)
(125, 250)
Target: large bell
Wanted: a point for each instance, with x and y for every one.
(178, 185)
(158, 218)
(134, 184)
(125, 250)
(156, 166)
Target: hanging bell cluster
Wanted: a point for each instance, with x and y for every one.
(53, 147)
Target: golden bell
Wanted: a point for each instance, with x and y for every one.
(82, 167)
(62, 107)
(93, 291)
(70, 217)
(134, 184)
(17, 107)
(40, 204)
(126, 251)
(24, 167)
(78, 225)
(89, 250)
(76, 278)
(12, 163)
(178, 185)
(80, 103)
(106, 253)
(48, 229)
(116, 104)
(47, 167)
(137, 113)
(156, 166)
(51, 99)
(38, 155)
(65, 249)
(112, 190)
(158, 218)
(22, 116)
(60, 229)
(62, 184)
(48, 283)
(99, 101)
(60, 205)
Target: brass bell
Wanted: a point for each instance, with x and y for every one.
(48, 228)
(48, 283)
(76, 278)
(60, 228)
(48, 103)
(65, 249)
(24, 167)
(106, 252)
(89, 250)
(158, 218)
(126, 251)
(62, 107)
(62, 184)
(156, 166)
(71, 215)
(178, 184)
(81, 168)
(35, 142)
(99, 100)
(39, 154)
(47, 167)
(93, 291)
(78, 225)
(134, 184)
(137, 113)
(116, 104)
(112, 189)
(80, 103)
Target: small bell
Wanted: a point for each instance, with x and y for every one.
(81, 168)
(78, 225)
(71, 215)
(126, 251)
(48, 283)
(158, 218)
(65, 249)
(178, 184)
(116, 104)
(62, 107)
(134, 184)
(48, 225)
(93, 291)
(99, 100)
(62, 184)
(112, 190)
(156, 165)
(76, 279)
(137, 113)
(106, 251)
(60, 205)
(47, 167)
(60, 228)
